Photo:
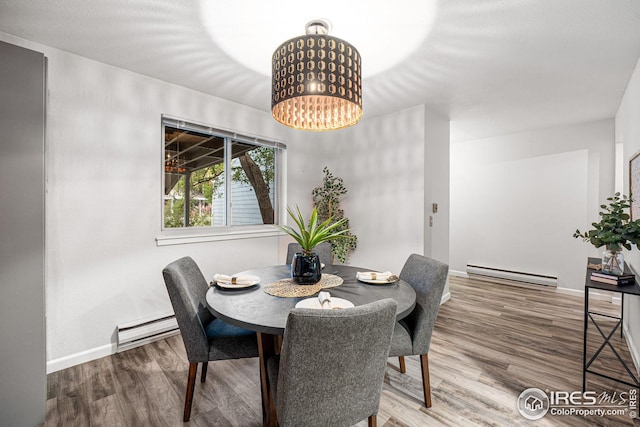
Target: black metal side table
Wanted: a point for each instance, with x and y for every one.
(630, 289)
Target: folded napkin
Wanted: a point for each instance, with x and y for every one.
(234, 280)
(373, 275)
(325, 299)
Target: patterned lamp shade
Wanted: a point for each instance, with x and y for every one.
(316, 81)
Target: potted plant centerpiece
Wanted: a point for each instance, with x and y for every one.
(305, 266)
(614, 231)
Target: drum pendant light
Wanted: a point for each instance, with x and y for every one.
(316, 81)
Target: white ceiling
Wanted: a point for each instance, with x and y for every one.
(492, 66)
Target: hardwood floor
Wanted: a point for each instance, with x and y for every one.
(490, 343)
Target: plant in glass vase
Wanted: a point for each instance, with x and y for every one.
(615, 231)
(305, 266)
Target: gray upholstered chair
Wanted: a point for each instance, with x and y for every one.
(323, 250)
(205, 337)
(412, 335)
(331, 367)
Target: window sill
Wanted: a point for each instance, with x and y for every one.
(180, 237)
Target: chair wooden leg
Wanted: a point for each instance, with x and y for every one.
(424, 363)
(266, 344)
(273, 416)
(403, 367)
(191, 384)
(203, 377)
(373, 421)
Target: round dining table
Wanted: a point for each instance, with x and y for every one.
(253, 309)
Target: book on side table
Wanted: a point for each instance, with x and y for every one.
(627, 277)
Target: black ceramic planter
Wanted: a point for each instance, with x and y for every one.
(306, 269)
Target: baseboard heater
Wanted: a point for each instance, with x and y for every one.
(144, 331)
(517, 277)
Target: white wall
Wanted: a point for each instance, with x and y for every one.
(104, 187)
(628, 133)
(392, 166)
(381, 161)
(517, 199)
(103, 202)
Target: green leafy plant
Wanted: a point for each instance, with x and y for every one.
(326, 199)
(615, 229)
(312, 234)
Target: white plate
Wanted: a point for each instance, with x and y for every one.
(254, 281)
(377, 281)
(315, 303)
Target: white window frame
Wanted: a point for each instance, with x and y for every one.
(186, 235)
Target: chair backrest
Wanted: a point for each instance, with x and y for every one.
(323, 250)
(332, 364)
(427, 277)
(187, 289)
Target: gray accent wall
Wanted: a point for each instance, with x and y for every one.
(22, 305)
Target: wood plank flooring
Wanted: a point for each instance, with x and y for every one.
(491, 342)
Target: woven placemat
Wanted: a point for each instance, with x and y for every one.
(286, 288)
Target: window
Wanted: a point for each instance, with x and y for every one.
(215, 178)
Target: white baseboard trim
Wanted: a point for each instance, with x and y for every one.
(61, 363)
(109, 349)
(446, 297)
(633, 349)
(458, 273)
(613, 298)
(569, 291)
